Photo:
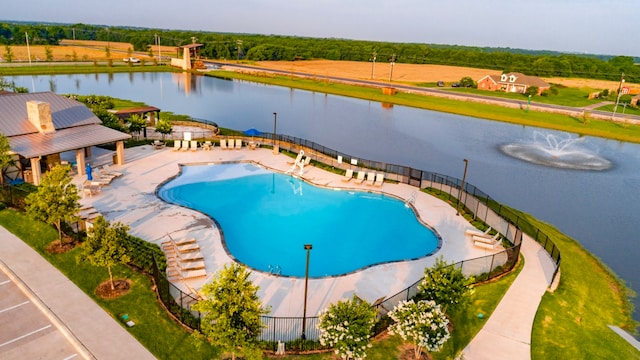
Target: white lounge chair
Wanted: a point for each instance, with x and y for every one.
(194, 145)
(108, 171)
(485, 239)
(223, 144)
(185, 146)
(348, 175)
(360, 177)
(176, 145)
(477, 232)
(238, 144)
(379, 180)
(371, 178)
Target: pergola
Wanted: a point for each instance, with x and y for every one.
(40, 126)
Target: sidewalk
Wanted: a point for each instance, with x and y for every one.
(507, 333)
(94, 333)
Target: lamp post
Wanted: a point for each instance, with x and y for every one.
(307, 247)
(464, 177)
(615, 108)
(275, 121)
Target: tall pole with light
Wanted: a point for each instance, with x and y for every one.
(464, 178)
(275, 121)
(307, 247)
(615, 108)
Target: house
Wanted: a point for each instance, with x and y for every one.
(41, 126)
(512, 82)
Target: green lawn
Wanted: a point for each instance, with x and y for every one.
(165, 338)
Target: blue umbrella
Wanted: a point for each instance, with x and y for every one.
(252, 132)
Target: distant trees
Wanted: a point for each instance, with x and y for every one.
(287, 48)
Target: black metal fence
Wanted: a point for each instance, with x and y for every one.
(289, 329)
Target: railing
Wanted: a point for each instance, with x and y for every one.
(501, 219)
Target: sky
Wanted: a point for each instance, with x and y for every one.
(607, 27)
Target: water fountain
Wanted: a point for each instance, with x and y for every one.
(556, 151)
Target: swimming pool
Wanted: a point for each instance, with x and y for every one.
(266, 218)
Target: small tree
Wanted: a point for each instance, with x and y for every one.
(346, 326)
(8, 54)
(136, 124)
(48, 53)
(6, 158)
(467, 81)
(56, 199)
(445, 284)
(107, 52)
(164, 127)
(105, 245)
(532, 91)
(231, 312)
(423, 324)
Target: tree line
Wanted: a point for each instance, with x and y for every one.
(257, 47)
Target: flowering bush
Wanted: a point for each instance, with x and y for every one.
(445, 284)
(423, 324)
(346, 326)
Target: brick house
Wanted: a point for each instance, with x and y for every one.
(512, 82)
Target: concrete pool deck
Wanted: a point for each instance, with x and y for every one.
(131, 200)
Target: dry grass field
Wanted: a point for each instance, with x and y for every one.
(405, 73)
(85, 50)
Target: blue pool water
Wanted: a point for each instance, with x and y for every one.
(266, 218)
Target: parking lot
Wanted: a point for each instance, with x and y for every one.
(27, 333)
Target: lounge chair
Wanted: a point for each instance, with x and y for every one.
(176, 145)
(360, 177)
(207, 145)
(185, 146)
(158, 145)
(371, 178)
(238, 144)
(477, 232)
(486, 239)
(103, 176)
(194, 145)
(348, 175)
(108, 171)
(379, 180)
(223, 144)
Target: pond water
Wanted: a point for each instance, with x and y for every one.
(599, 208)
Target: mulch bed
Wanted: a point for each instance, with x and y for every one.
(121, 287)
(68, 244)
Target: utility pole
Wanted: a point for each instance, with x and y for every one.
(392, 61)
(615, 108)
(373, 64)
(464, 178)
(73, 30)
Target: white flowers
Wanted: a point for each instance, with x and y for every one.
(346, 326)
(421, 323)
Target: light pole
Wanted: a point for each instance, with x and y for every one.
(392, 62)
(464, 177)
(615, 108)
(373, 64)
(307, 247)
(275, 121)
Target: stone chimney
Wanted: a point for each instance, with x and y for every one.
(39, 114)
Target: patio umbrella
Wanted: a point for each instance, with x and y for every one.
(252, 132)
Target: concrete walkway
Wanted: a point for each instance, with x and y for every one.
(93, 333)
(507, 333)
